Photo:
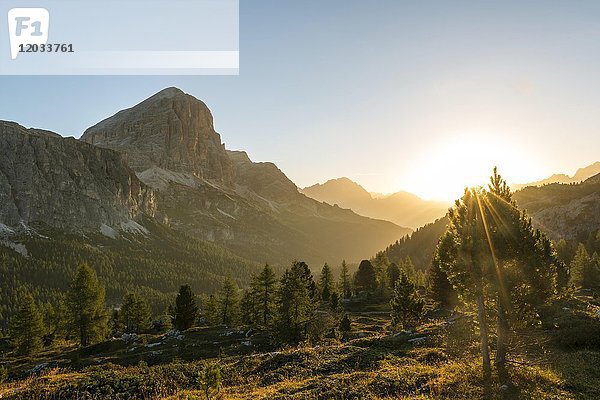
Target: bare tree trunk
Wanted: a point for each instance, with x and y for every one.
(502, 340)
(483, 337)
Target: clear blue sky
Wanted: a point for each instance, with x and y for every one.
(393, 94)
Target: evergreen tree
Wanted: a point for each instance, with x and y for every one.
(228, 298)
(393, 273)
(564, 251)
(264, 290)
(135, 314)
(334, 301)
(346, 326)
(55, 321)
(409, 269)
(326, 283)
(295, 303)
(501, 260)
(381, 263)
(85, 303)
(407, 305)
(345, 283)
(211, 310)
(585, 272)
(249, 308)
(439, 288)
(365, 278)
(27, 327)
(186, 310)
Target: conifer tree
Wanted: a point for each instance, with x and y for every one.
(346, 326)
(135, 314)
(564, 251)
(85, 303)
(228, 298)
(27, 327)
(439, 288)
(249, 308)
(211, 310)
(326, 283)
(365, 278)
(380, 263)
(264, 291)
(186, 310)
(55, 321)
(408, 268)
(345, 282)
(334, 301)
(393, 273)
(585, 272)
(501, 260)
(407, 305)
(295, 303)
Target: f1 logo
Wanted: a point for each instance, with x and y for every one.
(27, 26)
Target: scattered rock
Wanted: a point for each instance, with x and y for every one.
(129, 338)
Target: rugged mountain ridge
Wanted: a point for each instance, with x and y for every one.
(48, 180)
(402, 208)
(222, 196)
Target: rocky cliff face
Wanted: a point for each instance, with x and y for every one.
(47, 180)
(263, 179)
(170, 130)
(570, 211)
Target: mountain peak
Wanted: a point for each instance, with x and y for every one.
(171, 130)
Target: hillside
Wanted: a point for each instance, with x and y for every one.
(419, 246)
(570, 211)
(402, 208)
(438, 360)
(154, 261)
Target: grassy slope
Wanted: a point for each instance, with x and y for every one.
(549, 364)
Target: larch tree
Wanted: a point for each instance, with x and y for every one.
(229, 303)
(85, 304)
(211, 310)
(326, 284)
(263, 290)
(380, 263)
(27, 327)
(345, 281)
(135, 314)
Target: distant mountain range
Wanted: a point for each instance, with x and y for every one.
(402, 208)
(580, 175)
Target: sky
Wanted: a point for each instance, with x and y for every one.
(397, 95)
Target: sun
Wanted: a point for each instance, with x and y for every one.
(445, 168)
